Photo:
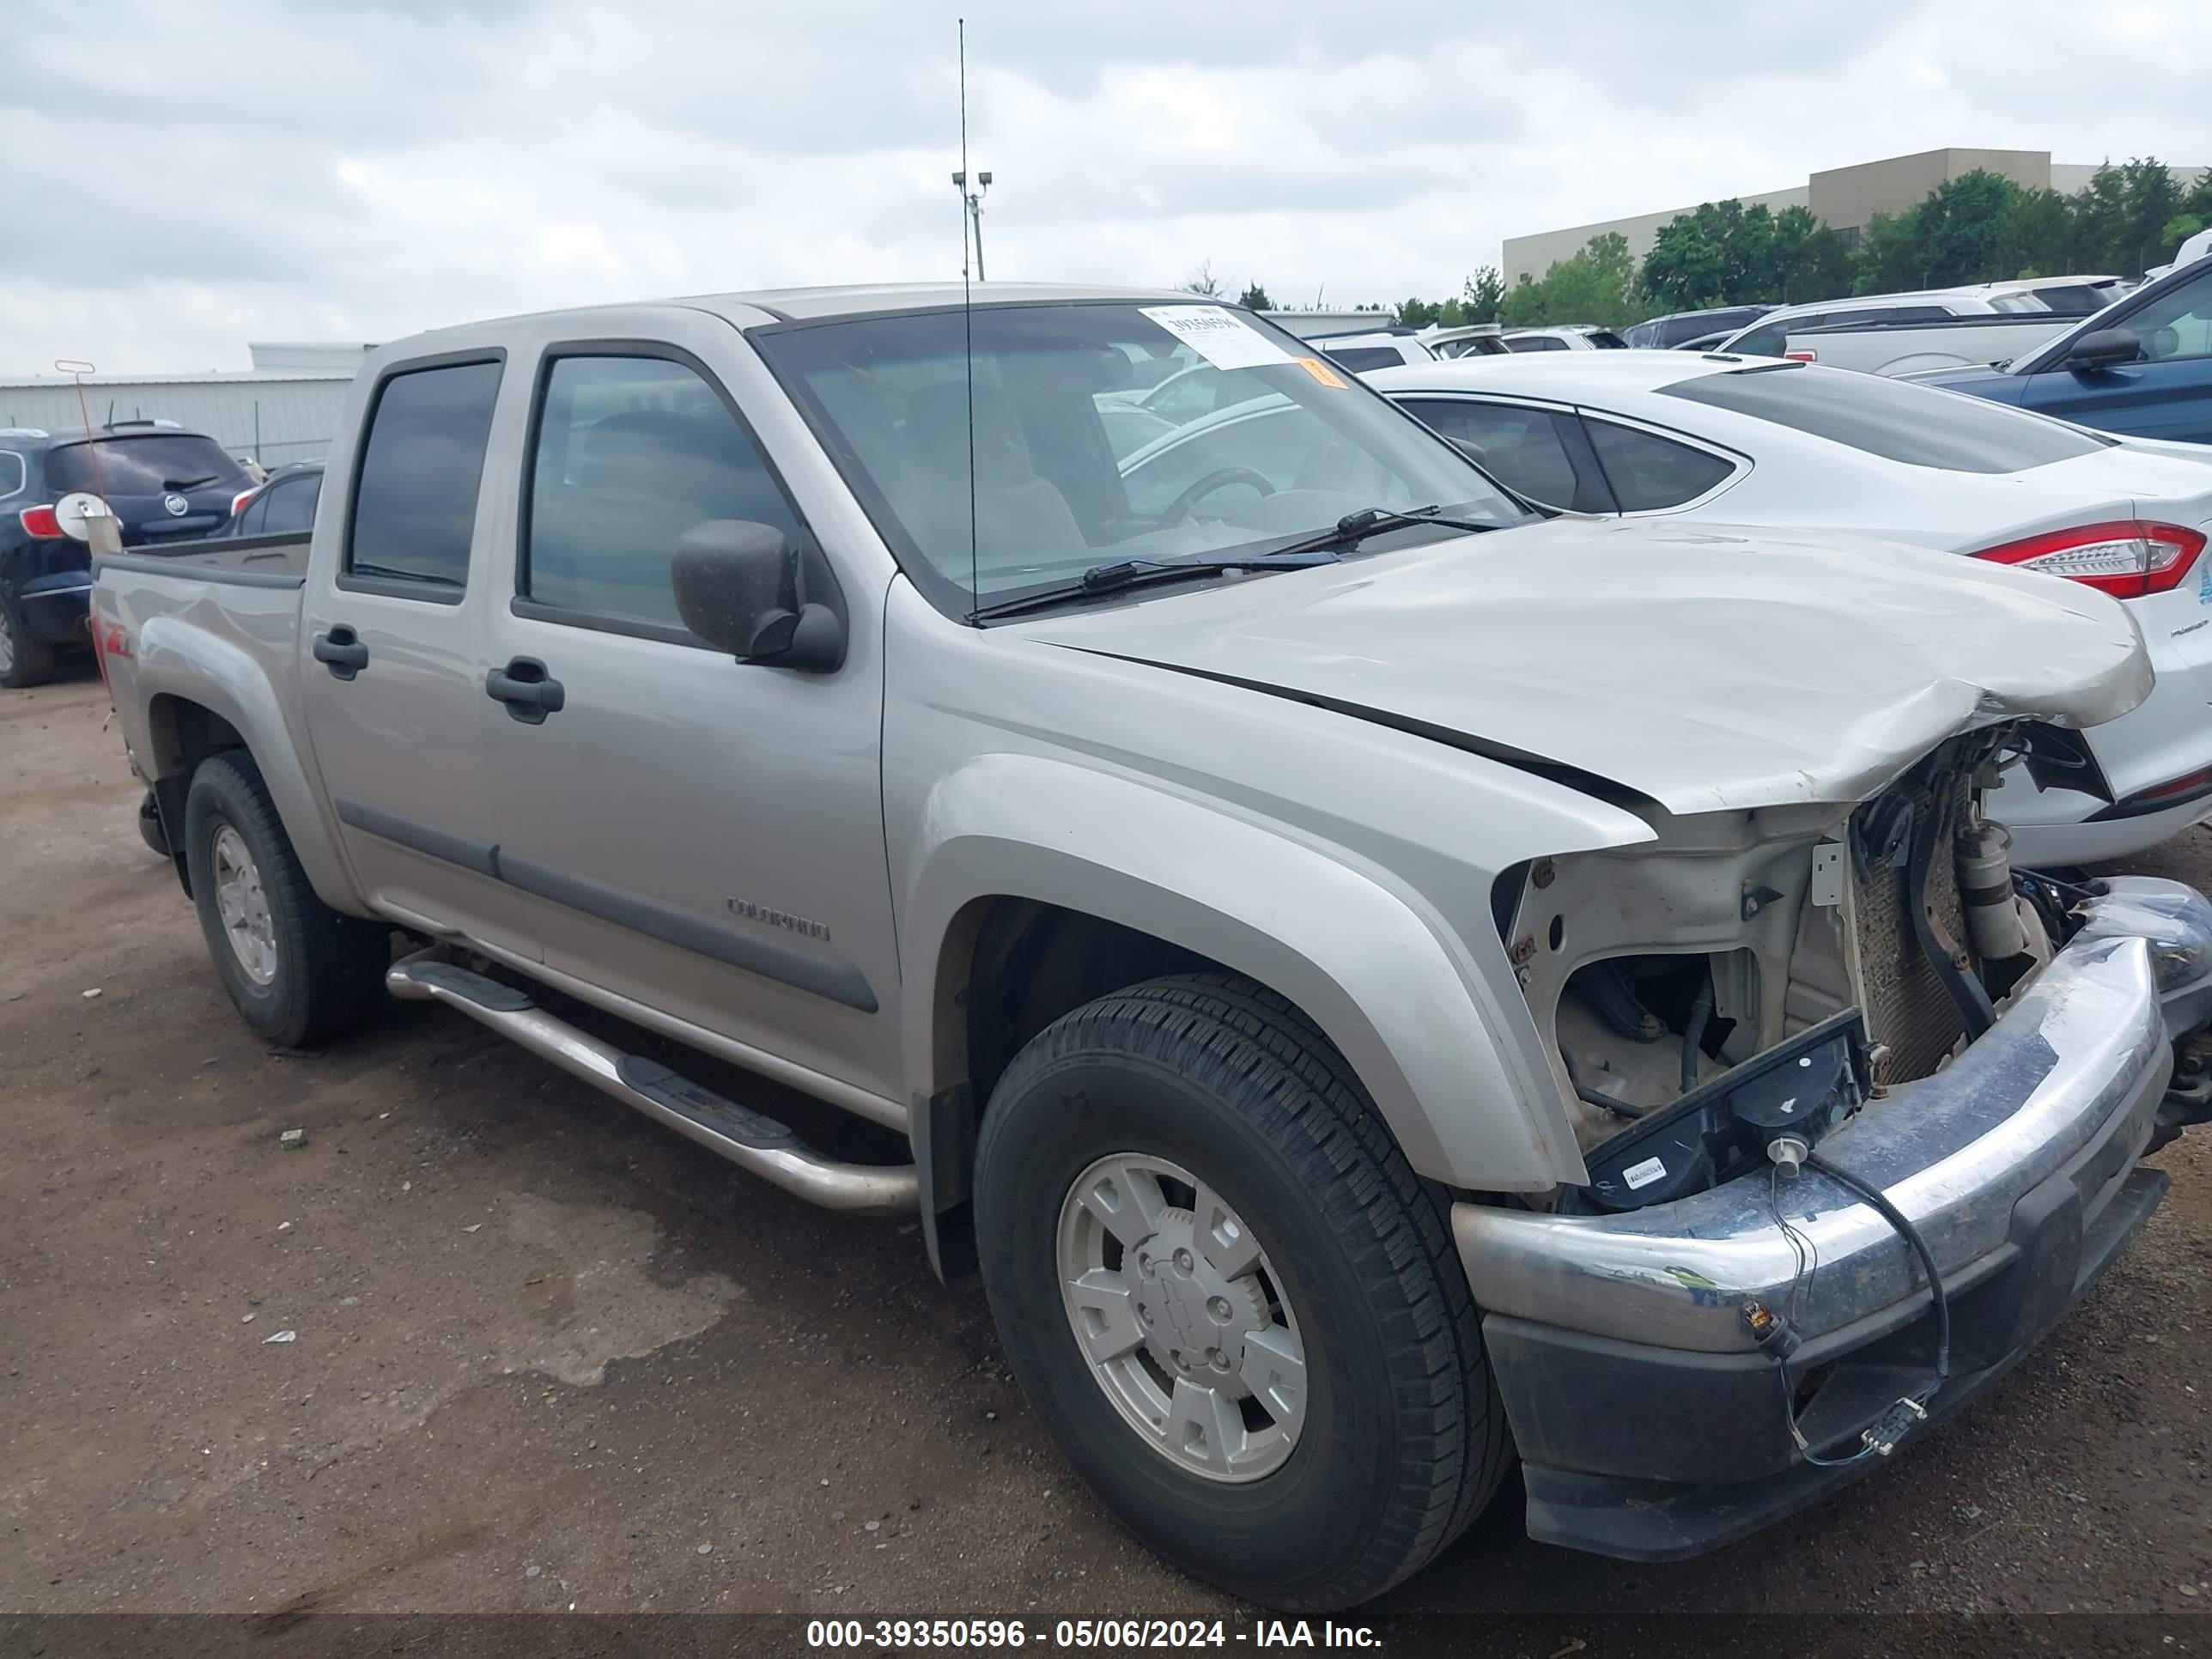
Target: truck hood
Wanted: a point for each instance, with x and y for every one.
(1708, 668)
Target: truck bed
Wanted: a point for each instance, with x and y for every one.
(1883, 347)
(238, 560)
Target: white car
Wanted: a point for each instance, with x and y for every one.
(1571, 337)
(1752, 442)
(1380, 348)
(2069, 297)
(1767, 337)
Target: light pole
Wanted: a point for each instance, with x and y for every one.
(975, 212)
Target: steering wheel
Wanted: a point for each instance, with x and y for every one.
(1220, 478)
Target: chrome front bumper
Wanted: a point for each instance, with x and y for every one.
(2065, 1085)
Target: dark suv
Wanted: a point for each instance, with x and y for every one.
(165, 484)
(1669, 332)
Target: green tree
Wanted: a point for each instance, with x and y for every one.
(1723, 253)
(2197, 203)
(1255, 297)
(1593, 286)
(2038, 228)
(2179, 229)
(2098, 229)
(1885, 258)
(1480, 296)
(1808, 261)
(2153, 199)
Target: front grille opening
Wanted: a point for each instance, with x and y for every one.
(1908, 1009)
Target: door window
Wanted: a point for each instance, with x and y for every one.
(630, 454)
(1520, 447)
(415, 498)
(1768, 339)
(1649, 473)
(290, 508)
(2177, 325)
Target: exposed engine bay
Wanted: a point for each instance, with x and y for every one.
(1721, 997)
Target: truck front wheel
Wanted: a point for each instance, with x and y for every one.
(1229, 1298)
(297, 969)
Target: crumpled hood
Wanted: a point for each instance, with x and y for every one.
(1708, 668)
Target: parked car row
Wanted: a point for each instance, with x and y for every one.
(1782, 444)
(1382, 969)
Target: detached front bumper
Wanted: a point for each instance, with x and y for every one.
(1650, 1426)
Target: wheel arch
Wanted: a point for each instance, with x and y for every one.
(203, 696)
(1008, 924)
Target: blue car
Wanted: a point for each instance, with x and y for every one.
(2142, 367)
(165, 483)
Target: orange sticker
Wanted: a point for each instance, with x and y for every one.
(1320, 370)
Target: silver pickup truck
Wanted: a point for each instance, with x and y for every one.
(1374, 981)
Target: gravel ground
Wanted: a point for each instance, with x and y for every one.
(488, 1343)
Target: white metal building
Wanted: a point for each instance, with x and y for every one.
(283, 409)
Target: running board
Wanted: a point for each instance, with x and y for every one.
(761, 1144)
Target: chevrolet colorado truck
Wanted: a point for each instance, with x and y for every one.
(1376, 982)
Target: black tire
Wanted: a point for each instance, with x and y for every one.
(29, 661)
(1404, 1438)
(329, 975)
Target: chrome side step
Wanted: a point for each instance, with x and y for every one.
(752, 1141)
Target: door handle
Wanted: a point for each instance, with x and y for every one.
(342, 650)
(529, 692)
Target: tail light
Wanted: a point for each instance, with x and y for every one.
(2127, 557)
(40, 523)
(237, 502)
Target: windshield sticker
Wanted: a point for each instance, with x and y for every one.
(1320, 370)
(1218, 335)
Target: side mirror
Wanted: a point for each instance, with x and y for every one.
(1471, 449)
(744, 589)
(2101, 348)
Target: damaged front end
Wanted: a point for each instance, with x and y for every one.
(1861, 1108)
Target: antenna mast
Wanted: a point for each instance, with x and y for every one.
(967, 324)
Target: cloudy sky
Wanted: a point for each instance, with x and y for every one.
(185, 175)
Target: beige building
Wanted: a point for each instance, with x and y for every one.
(1844, 196)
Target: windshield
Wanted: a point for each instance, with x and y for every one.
(151, 465)
(1282, 445)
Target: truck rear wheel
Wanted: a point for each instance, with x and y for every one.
(23, 661)
(1230, 1298)
(297, 969)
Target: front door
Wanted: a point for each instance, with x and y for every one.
(699, 835)
(389, 664)
(2167, 392)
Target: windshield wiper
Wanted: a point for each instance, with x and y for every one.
(189, 484)
(1148, 573)
(1348, 531)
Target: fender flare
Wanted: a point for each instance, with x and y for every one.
(180, 662)
(1384, 978)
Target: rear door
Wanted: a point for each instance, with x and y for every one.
(701, 837)
(391, 626)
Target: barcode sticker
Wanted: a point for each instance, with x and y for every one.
(1643, 1174)
(1218, 335)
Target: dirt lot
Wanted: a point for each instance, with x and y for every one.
(547, 1355)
